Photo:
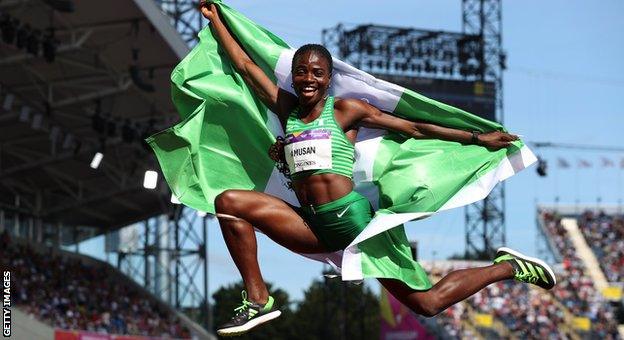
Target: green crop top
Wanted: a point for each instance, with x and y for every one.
(318, 147)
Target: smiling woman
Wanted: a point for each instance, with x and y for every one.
(311, 73)
(318, 150)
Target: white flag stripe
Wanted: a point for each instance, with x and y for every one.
(349, 82)
(365, 153)
(352, 264)
(351, 259)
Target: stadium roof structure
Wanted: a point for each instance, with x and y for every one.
(78, 77)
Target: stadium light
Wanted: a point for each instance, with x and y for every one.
(97, 159)
(8, 102)
(24, 114)
(150, 179)
(37, 121)
(54, 134)
(68, 141)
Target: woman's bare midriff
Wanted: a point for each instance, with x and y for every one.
(323, 188)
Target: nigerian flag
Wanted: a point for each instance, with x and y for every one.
(223, 139)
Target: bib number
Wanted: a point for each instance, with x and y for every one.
(308, 150)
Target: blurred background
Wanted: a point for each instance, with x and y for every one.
(98, 248)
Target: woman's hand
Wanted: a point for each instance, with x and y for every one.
(208, 10)
(496, 139)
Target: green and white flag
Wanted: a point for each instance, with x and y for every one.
(223, 139)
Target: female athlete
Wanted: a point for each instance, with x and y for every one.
(319, 152)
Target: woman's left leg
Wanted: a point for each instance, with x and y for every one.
(454, 287)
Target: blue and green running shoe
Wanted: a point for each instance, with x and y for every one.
(249, 315)
(527, 269)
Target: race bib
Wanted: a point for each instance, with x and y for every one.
(308, 150)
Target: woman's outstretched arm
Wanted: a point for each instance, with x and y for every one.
(358, 112)
(279, 101)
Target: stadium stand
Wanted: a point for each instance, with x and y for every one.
(605, 235)
(507, 309)
(584, 252)
(458, 320)
(67, 291)
(455, 321)
(594, 316)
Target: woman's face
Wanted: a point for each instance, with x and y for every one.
(311, 77)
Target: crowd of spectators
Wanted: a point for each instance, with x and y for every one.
(575, 289)
(67, 294)
(536, 314)
(525, 312)
(451, 320)
(605, 235)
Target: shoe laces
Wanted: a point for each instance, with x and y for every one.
(246, 304)
(528, 277)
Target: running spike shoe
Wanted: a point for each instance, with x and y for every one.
(527, 269)
(249, 315)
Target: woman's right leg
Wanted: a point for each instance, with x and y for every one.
(239, 211)
(455, 287)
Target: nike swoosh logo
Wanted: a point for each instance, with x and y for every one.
(344, 211)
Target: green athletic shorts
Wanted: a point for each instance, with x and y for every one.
(338, 222)
(387, 255)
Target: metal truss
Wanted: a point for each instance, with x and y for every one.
(473, 55)
(185, 17)
(485, 226)
(406, 51)
(485, 220)
(170, 260)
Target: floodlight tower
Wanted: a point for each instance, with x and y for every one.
(485, 220)
(170, 258)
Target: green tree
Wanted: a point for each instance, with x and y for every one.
(333, 309)
(229, 297)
